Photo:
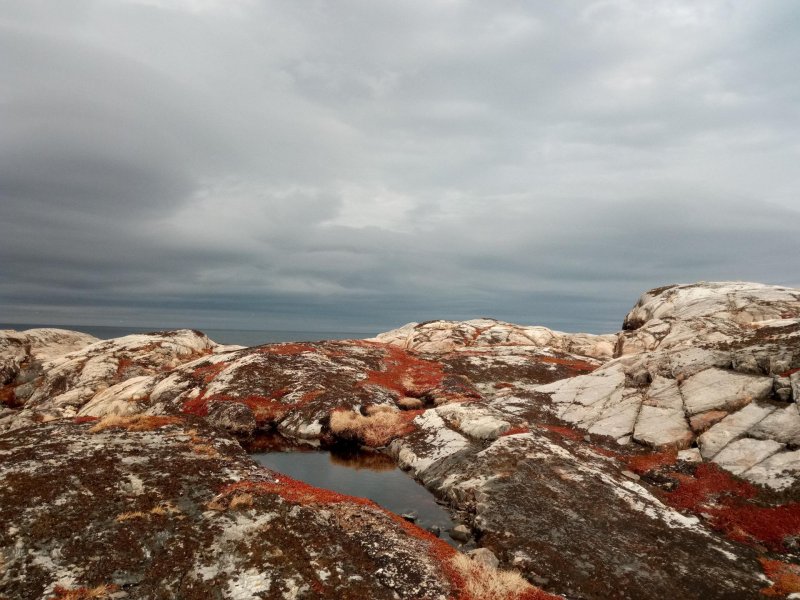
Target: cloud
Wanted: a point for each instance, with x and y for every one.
(354, 166)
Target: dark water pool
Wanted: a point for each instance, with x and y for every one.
(372, 476)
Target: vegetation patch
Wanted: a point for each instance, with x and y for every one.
(376, 429)
(405, 374)
(134, 422)
(82, 593)
(785, 577)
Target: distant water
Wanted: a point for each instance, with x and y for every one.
(222, 336)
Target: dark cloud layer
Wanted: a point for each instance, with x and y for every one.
(358, 164)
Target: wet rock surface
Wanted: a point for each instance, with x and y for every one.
(660, 461)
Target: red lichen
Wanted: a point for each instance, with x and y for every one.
(709, 486)
(606, 452)
(405, 374)
(571, 363)
(197, 406)
(730, 506)
(123, 365)
(208, 372)
(503, 385)
(517, 429)
(288, 349)
(567, 432)
(790, 372)
(81, 420)
(644, 463)
(785, 577)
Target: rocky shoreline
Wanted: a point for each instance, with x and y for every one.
(659, 461)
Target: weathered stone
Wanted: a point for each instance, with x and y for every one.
(731, 428)
(741, 455)
(484, 556)
(460, 533)
(715, 389)
(233, 417)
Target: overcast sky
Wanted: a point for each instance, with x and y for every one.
(352, 165)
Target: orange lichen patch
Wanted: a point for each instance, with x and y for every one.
(644, 463)
(288, 349)
(134, 422)
(517, 429)
(81, 420)
(785, 577)
(567, 432)
(405, 374)
(503, 385)
(209, 372)
(572, 363)
(83, 593)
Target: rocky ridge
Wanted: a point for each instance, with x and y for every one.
(658, 461)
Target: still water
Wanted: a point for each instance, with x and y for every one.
(372, 476)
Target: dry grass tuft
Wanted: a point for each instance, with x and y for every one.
(409, 403)
(374, 409)
(485, 583)
(160, 510)
(241, 501)
(377, 429)
(82, 593)
(134, 422)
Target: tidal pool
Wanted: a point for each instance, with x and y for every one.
(368, 475)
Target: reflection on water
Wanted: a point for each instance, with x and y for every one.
(365, 474)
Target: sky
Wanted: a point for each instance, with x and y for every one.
(359, 164)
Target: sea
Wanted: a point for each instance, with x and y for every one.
(241, 337)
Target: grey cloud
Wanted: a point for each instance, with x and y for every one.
(308, 165)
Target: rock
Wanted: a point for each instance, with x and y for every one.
(715, 389)
(72, 380)
(441, 337)
(460, 533)
(232, 417)
(233, 529)
(731, 428)
(484, 556)
(435, 530)
(630, 475)
(741, 455)
(410, 516)
(690, 455)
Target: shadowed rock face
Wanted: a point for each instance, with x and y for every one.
(571, 457)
